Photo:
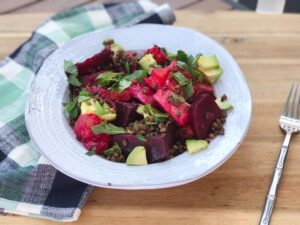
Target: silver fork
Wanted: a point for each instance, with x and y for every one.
(289, 121)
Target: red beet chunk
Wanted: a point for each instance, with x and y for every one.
(180, 113)
(159, 146)
(124, 96)
(201, 89)
(158, 54)
(94, 63)
(126, 113)
(142, 93)
(203, 112)
(127, 142)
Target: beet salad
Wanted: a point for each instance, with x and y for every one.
(141, 107)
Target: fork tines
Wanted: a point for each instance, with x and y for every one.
(291, 107)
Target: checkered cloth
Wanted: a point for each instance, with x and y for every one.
(29, 185)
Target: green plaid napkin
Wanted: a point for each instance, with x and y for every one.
(29, 185)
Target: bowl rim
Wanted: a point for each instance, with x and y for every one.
(162, 184)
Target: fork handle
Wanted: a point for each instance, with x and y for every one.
(271, 197)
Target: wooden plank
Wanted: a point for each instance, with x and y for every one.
(51, 6)
(268, 51)
(209, 6)
(8, 5)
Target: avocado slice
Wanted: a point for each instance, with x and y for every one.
(212, 75)
(137, 157)
(194, 146)
(208, 62)
(224, 105)
(115, 47)
(148, 62)
(92, 106)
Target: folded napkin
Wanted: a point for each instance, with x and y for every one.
(29, 185)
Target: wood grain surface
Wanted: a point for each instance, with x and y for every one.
(268, 50)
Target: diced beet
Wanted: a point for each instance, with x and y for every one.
(101, 143)
(185, 133)
(89, 79)
(158, 54)
(158, 148)
(126, 113)
(203, 112)
(180, 113)
(94, 63)
(127, 142)
(201, 89)
(142, 93)
(124, 96)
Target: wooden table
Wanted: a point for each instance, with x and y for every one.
(268, 50)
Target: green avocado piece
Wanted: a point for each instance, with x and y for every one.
(92, 106)
(212, 75)
(148, 62)
(194, 146)
(137, 157)
(207, 62)
(224, 105)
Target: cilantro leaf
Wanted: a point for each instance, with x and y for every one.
(84, 95)
(70, 67)
(182, 56)
(136, 75)
(175, 99)
(91, 152)
(140, 137)
(71, 108)
(123, 84)
(72, 72)
(127, 67)
(114, 149)
(108, 128)
(108, 78)
(185, 83)
(152, 114)
(181, 79)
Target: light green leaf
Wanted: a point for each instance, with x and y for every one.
(108, 128)
(114, 149)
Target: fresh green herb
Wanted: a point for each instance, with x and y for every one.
(136, 75)
(108, 128)
(189, 90)
(91, 152)
(189, 63)
(72, 72)
(175, 99)
(123, 84)
(181, 79)
(126, 81)
(127, 68)
(84, 95)
(182, 56)
(185, 83)
(140, 137)
(70, 67)
(72, 109)
(152, 114)
(108, 78)
(114, 149)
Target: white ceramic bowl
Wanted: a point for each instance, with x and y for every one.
(55, 139)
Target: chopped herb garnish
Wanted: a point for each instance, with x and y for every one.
(175, 99)
(136, 75)
(108, 128)
(123, 84)
(108, 78)
(181, 56)
(152, 114)
(72, 72)
(72, 109)
(140, 137)
(114, 149)
(127, 67)
(91, 152)
(185, 83)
